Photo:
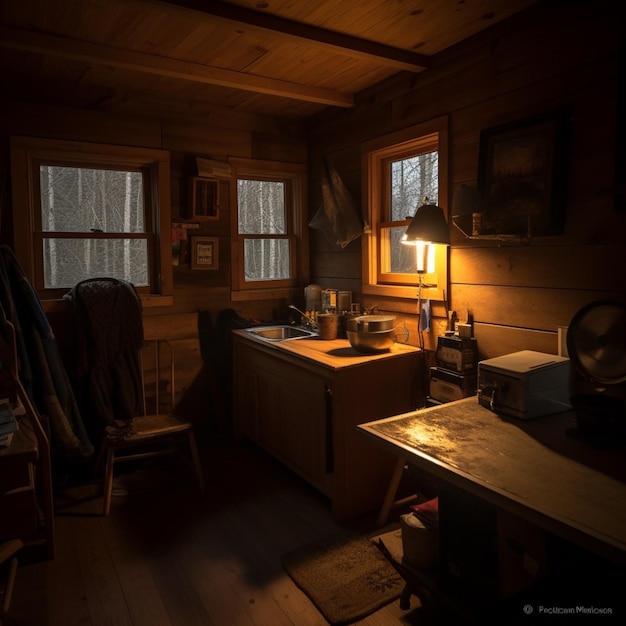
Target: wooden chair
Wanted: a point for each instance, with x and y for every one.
(112, 377)
(153, 433)
(8, 550)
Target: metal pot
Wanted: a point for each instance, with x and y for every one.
(370, 323)
(370, 342)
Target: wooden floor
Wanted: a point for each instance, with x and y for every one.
(172, 557)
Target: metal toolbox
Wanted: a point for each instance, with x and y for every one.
(525, 384)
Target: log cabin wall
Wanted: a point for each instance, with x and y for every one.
(540, 60)
(216, 134)
(537, 62)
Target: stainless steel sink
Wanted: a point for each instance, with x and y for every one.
(280, 332)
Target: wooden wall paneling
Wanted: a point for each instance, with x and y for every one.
(495, 340)
(349, 126)
(188, 361)
(37, 120)
(557, 267)
(489, 100)
(463, 168)
(193, 297)
(507, 106)
(232, 118)
(525, 307)
(335, 262)
(416, 106)
(198, 138)
(278, 147)
(521, 293)
(504, 60)
(170, 326)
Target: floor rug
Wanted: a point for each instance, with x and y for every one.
(345, 575)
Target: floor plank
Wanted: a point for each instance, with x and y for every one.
(167, 556)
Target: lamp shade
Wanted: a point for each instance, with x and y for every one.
(429, 225)
(467, 200)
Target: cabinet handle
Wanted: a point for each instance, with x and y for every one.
(329, 456)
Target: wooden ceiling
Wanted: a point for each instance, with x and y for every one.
(285, 58)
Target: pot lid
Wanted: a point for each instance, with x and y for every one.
(375, 318)
(369, 323)
(596, 342)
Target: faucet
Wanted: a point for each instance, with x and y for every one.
(305, 320)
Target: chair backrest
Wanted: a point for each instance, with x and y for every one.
(157, 370)
(109, 327)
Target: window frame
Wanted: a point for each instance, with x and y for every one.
(294, 176)
(375, 157)
(28, 153)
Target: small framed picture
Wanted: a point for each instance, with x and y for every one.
(204, 253)
(204, 195)
(522, 174)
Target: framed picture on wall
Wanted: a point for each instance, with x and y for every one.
(204, 196)
(204, 253)
(522, 175)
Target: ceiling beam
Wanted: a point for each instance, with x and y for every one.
(340, 43)
(97, 54)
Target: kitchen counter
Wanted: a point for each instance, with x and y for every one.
(301, 400)
(332, 353)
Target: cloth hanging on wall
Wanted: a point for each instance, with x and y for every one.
(40, 367)
(337, 217)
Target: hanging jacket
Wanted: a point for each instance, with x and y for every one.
(40, 367)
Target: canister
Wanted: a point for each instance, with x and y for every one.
(313, 297)
(344, 301)
(329, 300)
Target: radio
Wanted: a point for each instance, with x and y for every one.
(459, 354)
(446, 386)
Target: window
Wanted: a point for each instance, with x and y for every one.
(402, 170)
(86, 210)
(269, 229)
(262, 221)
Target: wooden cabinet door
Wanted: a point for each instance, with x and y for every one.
(283, 408)
(292, 421)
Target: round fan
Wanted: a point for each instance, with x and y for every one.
(596, 342)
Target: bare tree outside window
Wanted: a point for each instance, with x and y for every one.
(262, 219)
(85, 214)
(411, 180)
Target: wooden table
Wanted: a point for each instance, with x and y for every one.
(541, 470)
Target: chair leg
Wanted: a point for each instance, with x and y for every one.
(8, 549)
(108, 480)
(196, 461)
(101, 457)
